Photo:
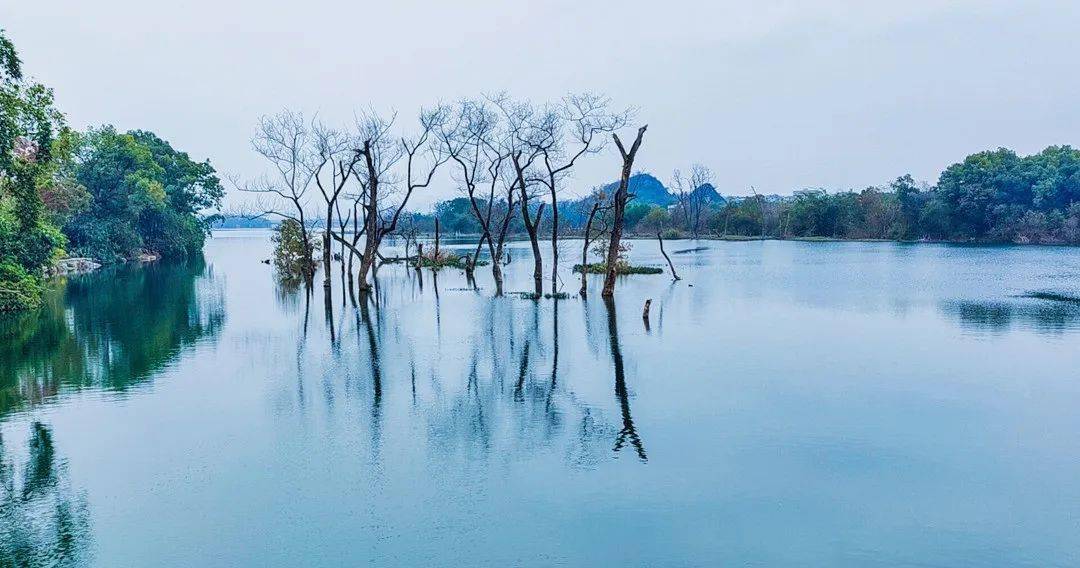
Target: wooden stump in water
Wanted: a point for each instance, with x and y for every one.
(436, 257)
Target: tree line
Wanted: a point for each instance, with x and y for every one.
(994, 196)
(991, 197)
(109, 195)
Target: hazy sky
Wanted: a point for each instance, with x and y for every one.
(779, 95)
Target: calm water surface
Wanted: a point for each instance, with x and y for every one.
(790, 404)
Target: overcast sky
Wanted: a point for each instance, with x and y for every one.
(779, 95)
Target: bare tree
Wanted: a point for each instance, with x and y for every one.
(526, 135)
(331, 153)
(674, 275)
(597, 206)
(689, 191)
(619, 208)
(381, 153)
(683, 192)
(472, 141)
(565, 133)
(284, 140)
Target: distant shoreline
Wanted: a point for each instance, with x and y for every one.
(729, 238)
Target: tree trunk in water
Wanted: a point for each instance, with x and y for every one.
(585, 248)
(349, 270)
(371, 246)
(619, 210)
(534, 240)
(470, 261)
(496, 267)
(537, 267)
(327, 250)
(366, 263)
(674, 275)
(436, 257)
(554, 240)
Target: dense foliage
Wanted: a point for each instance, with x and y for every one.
(145, 196)
(33, 141)
(993, 196)
(103, 194)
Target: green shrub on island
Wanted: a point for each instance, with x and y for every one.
(447, 259)
(145, 196)
(620, 268)
(293, 259)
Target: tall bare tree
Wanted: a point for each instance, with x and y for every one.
(284, 140)
(333, 153)
(472, 141)
(526, 135)
(618, 206)
(564, 134)
(386, 196)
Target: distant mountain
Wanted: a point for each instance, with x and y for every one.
(708, 194)
(646, 189)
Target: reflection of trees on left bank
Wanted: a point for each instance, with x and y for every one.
(110, 330)
(43, 521)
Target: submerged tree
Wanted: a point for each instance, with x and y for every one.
(619, 209)
(285, 140)
(334, 152)
(471, 140)
(567, 132)
(523, 142)
(385, 196)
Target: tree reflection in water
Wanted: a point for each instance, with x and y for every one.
(485, 377)
(1044, 316)
(43, 521)
(628, 433)
(109, 330)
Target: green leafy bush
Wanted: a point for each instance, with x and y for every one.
(621, 268)
(294, 259)
(19, 289)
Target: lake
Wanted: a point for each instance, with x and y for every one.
(788, 404)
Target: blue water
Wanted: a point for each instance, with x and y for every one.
(788, 404)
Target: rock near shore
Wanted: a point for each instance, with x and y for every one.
(79, 265)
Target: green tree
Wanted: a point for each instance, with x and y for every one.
(30, 128)
(145, 196)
